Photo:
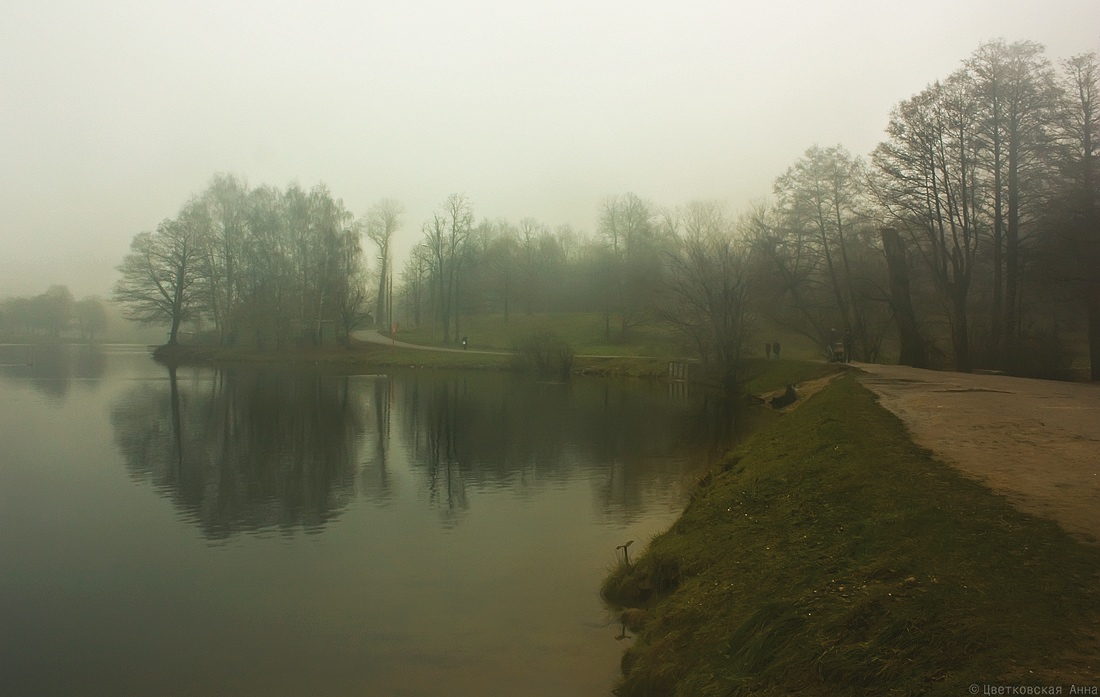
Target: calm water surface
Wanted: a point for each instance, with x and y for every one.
(247, 532)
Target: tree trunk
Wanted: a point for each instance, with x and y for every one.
(1094, 330)
(1012, 253)
(996, 327)
(380, 301)
(960, 334)
(457, 313)
(913, 351)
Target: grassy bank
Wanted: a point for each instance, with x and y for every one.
(356, 357)
(830, 556)
(761, 375)
(583, 331)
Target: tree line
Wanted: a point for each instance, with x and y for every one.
(53, 313)
(971, 233)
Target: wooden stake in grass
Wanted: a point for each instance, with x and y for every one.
(626, 553)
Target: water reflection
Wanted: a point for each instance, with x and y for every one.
(53, 368)
(248, 449)
(492, 431)
(245, 450)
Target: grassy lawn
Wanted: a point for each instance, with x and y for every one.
(356, 357)
(584, 331)
(829, 555)
(760, 375)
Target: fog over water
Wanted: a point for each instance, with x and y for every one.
(113, 113)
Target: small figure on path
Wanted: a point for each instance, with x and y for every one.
(465, 342)
(775, 350)
(848, 344)
(768, 349)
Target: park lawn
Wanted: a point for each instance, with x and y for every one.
(829, 555)
(584, 331)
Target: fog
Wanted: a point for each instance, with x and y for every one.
(113, 113)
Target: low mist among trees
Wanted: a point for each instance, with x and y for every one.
(261, 266)
(969, 237)
(53, 314)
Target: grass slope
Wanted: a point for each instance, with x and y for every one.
(584, 331)
(829, 555)
(358, 356)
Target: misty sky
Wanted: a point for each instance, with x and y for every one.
(113, 113)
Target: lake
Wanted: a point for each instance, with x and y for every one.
(278, 532)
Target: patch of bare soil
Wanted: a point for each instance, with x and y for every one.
(804, 390)
(1035, 441)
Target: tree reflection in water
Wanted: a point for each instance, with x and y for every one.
(491, 431)
(245, 450)
(251, 449)
(52, 368)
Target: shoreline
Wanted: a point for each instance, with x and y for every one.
(764, 376)
(830, 555)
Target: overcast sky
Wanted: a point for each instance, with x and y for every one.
(113, 113)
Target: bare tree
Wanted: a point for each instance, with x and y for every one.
(1014, 92)
(159, 276)
(708, 290)
(1079, 213)
(91, 317)
(503, 257)
(413, 278)
(382, 221)
(632, 263)
(460, 219)
(928, 183)
(821, 238)
(445, 237)
(220, 212)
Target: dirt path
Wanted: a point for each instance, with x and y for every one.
(373, 337)
(1035, 441)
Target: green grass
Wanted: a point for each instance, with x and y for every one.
(830, 556)
(358, 356)
(765, 376)
(584, 331)
(635, 361)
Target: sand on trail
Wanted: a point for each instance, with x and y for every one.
(1035, 441)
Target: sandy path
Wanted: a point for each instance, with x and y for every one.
(1035, 441)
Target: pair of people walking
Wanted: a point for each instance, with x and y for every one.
(771, 348)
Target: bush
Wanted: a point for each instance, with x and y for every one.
(544, 353)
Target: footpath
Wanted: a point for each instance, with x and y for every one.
(1035, 441)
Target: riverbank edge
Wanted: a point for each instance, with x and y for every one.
(830, 555)
(360, 356)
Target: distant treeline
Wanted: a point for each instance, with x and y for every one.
(52, 314)
(972, 234)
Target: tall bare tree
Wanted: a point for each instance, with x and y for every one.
(1013, 88)
(927, 181)
(1079, 221)
(159, 275)
(382, 221)
(821, 228)
(708, 290)
(631, 280)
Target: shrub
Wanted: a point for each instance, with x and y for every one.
(544, 353)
